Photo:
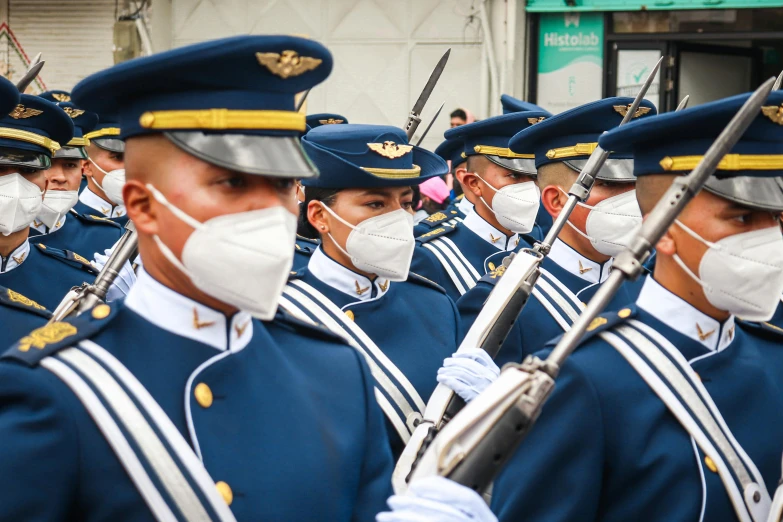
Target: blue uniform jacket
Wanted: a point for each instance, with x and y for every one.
(46, 274)
(414, 323)
(536, 325)
(303, 249)
(84, 209)
(85, 234)
(19, 315)
(471, 250)
(606, 447)
(292, 426)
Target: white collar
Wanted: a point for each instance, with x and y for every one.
(490, 234)
(577, 264)
(17, 257)
(465, 206)
(95, 202)
(343, 279)
(182, 316)
(684, 318)
(40, 227)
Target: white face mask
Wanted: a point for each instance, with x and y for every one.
(56, 203)
(113, 181)
(741, 274)
(241, 259)
(515, 206)
(20, 202)
(381, 245)
(612, 223)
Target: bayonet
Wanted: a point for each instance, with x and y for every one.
(683, 103)
(474, 447)
(778, 81)
(302, 100)
(85, 297)
(414, 118)
(499, 314)
(31, 74)
(437, 113)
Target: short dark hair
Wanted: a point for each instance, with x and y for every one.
(459, 113)
(326, 196)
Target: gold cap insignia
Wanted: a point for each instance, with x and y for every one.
(389, 149)
(330, 121)
(288, 63)
(598, 321)
(623, 110)
(533, 121)
(19, 298)
(50, 334)
(21, 113)
(73, 113)
(774, 113)
(61, 97)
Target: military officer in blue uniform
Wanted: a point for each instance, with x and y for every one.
(29, 136)
(507, 201)
(215, 406)
(455, 212)
(359, 277)
(581, 257)
(671, 408)
(325, 118)
(105, 171)
(84, 233)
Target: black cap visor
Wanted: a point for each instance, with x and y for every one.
(110, 144)
(273, 156)
(617, 170)
(70, 152)
(24, 158)
(520, 165)
(756, 193)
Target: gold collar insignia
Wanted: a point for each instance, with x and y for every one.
(493, 238)
(359, 289)
(383, 286)
(389, 149)
(198, 325)
(703, 336)
(241, 329)
(582, 269)
(288, 63)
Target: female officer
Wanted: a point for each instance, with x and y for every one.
(357, 281)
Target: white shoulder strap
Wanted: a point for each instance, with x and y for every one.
(303, 300)
(460, 271)
(89, 361)
(557, 299)
(670, 376)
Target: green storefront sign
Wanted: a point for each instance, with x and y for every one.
(570, 59)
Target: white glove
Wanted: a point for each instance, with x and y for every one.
(437, 499)
(124, 280)
(468, 372)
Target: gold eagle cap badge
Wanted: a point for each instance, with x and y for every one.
(389, 149)
(288, 63)
(330, 121)
(623, 110)
(20, 112)
(533, 121)
(46, 335)
(61, 97)
(774, 113)
(73, 113)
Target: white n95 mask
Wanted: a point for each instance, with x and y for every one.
(741, 274)
(241, 259)
(20, 202)
(113, 181)
(56, 204)
(515, 206)
(612, 223)
(381, 245)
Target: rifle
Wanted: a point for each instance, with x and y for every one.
(505, 303)
(473, 448)
(85, 297)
